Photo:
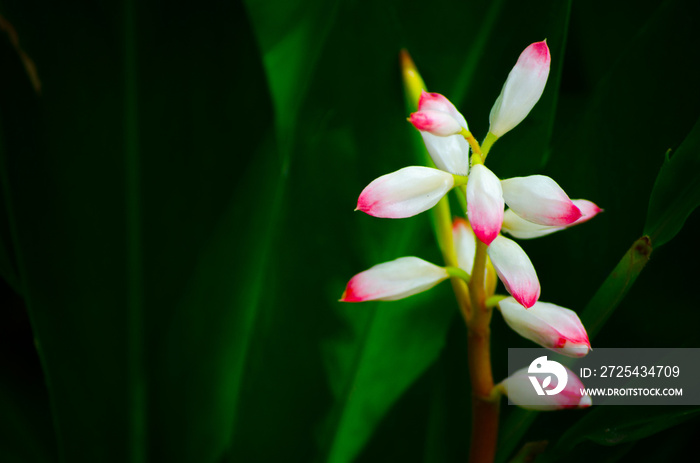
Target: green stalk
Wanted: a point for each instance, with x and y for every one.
(484, 405)
(442, 223)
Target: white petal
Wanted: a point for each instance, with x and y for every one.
(405, 193)
(539, 199)
(515, 270)
(465, 244)
(393, 280)
(522, 90)
(450, 154)
(522, 229)
(548, 325)
(484, 203)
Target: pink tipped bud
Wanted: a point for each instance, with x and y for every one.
(548, 325)
(522, 229)
(540, 200)
(437, 102)
(448, 149)
(435, 122)
(484, 203)
(405, 193)
(522, 90)
(393, 280)
(588, 210)
(515, 270)
(546, 385)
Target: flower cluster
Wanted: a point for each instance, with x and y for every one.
(536, 206)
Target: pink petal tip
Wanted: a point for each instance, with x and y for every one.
(350, 294)
(486, 235)
(540, 51)
(588, 210)
(433, 101)
(568, 216)
(528, 298)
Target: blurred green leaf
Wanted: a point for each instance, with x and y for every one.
(612, 426)
(20, 71)
(676, 191)
(394, 354)
(436, 448)
(26, 433)
(529, 452)
(513, 428)
(283, 29)
(616, 286)
(26, 430)
(8, 264)
(141, 255)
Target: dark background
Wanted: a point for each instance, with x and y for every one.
(176, 224)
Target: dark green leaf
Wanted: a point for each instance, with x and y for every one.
(394, 354)
(133, 186)
(612, 426)
(26, 435)
(676, 191)
(26, 431)
(616, 286)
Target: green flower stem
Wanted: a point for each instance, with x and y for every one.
(487, 144)
(460, 180)
(478, 283)
(493, 301)
(442, 221)
(476, 149)
(485, 403)
(457, 272)
(443, 231)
